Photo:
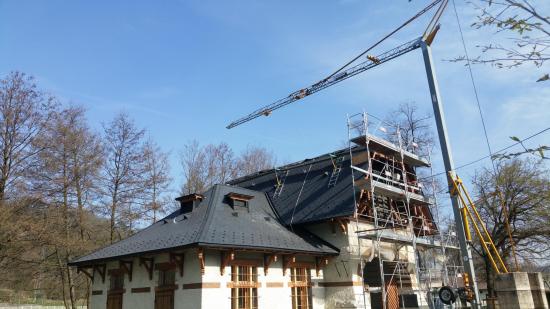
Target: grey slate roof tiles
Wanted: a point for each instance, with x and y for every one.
(215, 223)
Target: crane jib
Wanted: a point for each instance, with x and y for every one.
(346, 72)
(371, 62)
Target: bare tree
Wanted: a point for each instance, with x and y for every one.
(193, 163)
(54, 179)
(525, 32)
(157, 180)
(212, 164)
(523, 187)
(23, 112)
(221, 163)
(414, 128)
(254, 159)
(86, 155)
(205, 166)
(122, 175)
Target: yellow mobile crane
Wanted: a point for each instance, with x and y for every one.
(464, 210)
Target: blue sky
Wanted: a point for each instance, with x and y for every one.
(185, 69)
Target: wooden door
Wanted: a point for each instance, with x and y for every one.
(114, 300)
(164, 299)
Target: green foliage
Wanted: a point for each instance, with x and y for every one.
(525, 34)
(537, 151)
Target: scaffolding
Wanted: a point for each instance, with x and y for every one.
(388, 195)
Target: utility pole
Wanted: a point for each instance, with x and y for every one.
(465, 251)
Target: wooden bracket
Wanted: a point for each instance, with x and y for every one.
(148, 263)
(178, 259)
(287, 259)
(319, 263)
(342, 224)
(268, 259)
(127, 267)
(200, 254)
(86, 272)
(101, 270)
(226, 257)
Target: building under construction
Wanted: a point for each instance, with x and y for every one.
(353, 228)
(367, 201)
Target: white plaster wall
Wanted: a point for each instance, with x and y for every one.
(274, 297)
(350, 252)
(215, 297)
(268, 297)
(341, 269)
(100, 301)
(189, 298)
(185, 299)
(140, 279)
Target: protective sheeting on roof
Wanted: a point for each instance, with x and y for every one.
(308, 191)
(217, 223)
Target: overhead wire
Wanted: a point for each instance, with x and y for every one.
(488, 156)
(474, 87)
(408, 21)
(491, 155)
(495, 170)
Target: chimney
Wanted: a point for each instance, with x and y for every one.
(189, 202)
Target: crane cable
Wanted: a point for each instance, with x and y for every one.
(495, 170)
(420, 13)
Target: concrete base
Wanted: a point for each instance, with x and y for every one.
(538, 290)
(520, 290)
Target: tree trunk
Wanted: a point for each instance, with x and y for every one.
(70, 282)
(62, 276)
(489, 278)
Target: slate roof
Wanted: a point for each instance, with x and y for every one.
(214, 223)
(306, 196)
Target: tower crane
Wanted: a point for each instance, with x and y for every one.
(353, 68)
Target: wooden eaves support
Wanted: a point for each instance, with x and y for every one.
(178, 259)
(268, 260)
(226, 257)
(127, 267)
(149, 264)
(101, 269)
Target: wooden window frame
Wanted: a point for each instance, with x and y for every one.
(115, 274)
(162, 277)
(244, 286)
(300, 285)
(235, 200)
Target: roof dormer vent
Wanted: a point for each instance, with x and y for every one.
(189, 202)
(238, 200)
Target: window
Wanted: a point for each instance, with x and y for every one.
(238, 200)
(244, 288)
(239, 203)
(301, 288)
(167, 277)
(116, 282)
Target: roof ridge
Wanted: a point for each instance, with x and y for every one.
(208, 213)
(293, 165)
